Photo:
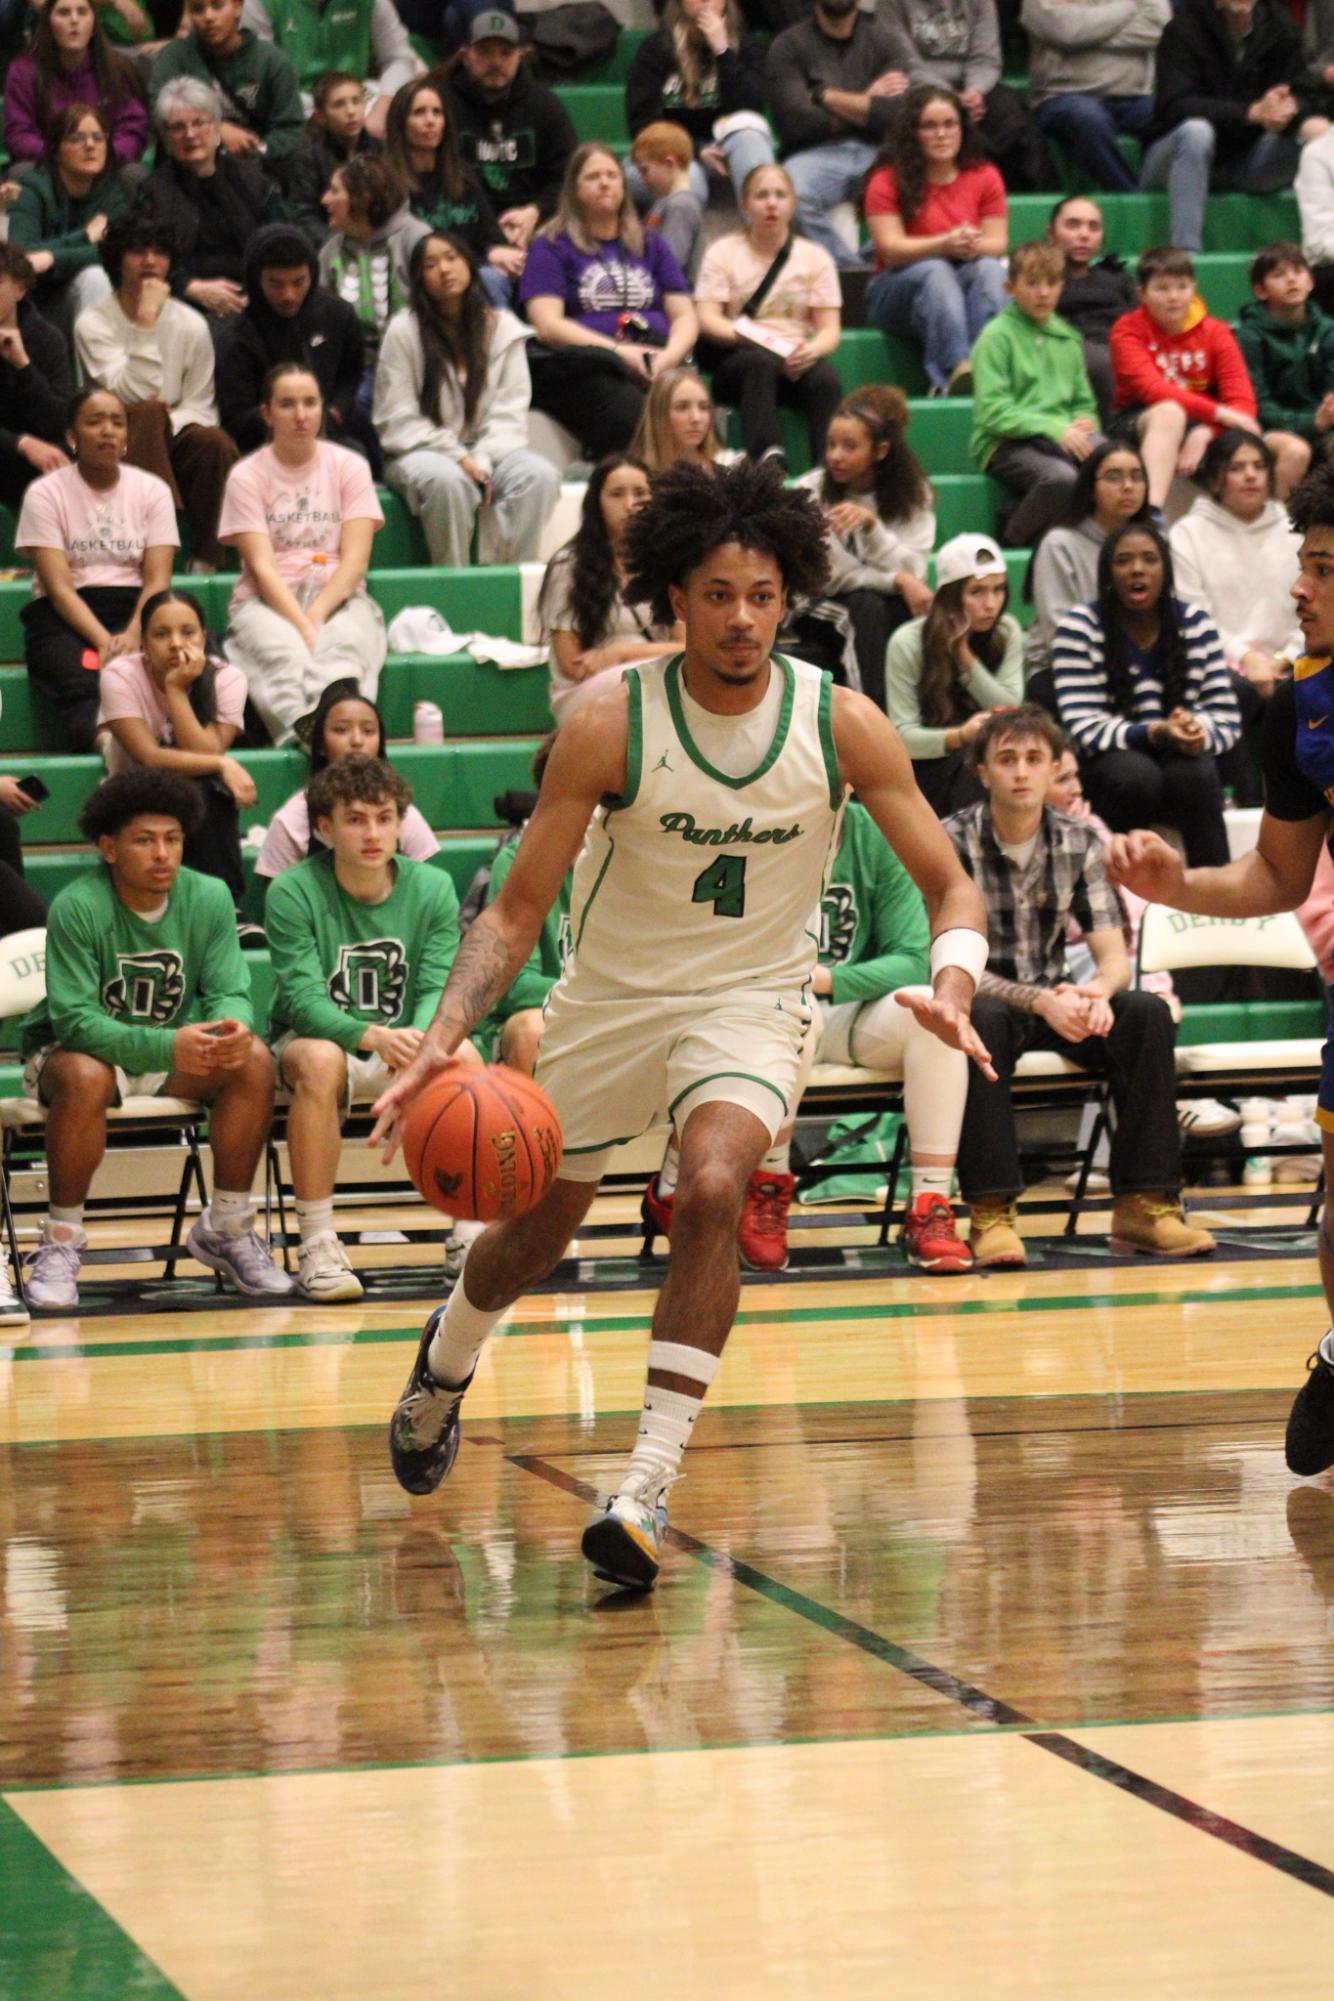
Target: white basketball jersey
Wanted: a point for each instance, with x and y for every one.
(696, 883)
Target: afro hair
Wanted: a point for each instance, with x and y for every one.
(1311, 502)
(141, 790)
(694, 509)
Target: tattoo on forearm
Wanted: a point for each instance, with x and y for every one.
(1019, 994)
(483, 969)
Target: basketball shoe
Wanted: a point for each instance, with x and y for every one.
(323, 1270)
(624, 1541)
(424, 1429)
(762, 1232)
(1309, 1446)
(930, 1238)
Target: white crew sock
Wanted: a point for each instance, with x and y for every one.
(63, 1225)
(232, 1211)
(459, 1338)
(667, 1419)
(930, 1180)
(1327, 1347)
(671, 1167)
(315, 1219)
(778, 1160)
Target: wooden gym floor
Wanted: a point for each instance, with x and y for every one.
(993, 1655)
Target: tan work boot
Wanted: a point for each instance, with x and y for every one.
(1155, 1225)
(993, 1235)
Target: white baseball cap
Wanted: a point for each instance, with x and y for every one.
(965, 556)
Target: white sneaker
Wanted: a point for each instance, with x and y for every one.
(324, 1272)
(51, 1272)
(1205, 1118)
(624, 1542)
(13, 1313)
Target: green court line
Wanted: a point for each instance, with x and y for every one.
(57, 1942)
(638, 1322)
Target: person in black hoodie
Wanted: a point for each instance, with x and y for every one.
(512, 130)
(206, 202)
(35, 383)
(1097, 290)
(699, 69)
(1232, 107)
(290, 316)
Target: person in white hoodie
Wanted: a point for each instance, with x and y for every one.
(451, 409)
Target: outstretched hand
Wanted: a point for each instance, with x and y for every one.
(390, 1108)
(952, 1025)
(1148, 866)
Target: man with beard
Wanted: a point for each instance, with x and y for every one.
(512, 130)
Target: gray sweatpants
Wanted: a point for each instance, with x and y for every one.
(284, 677)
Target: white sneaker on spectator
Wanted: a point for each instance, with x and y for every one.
(324, 1271)
(243, 1258)
(13, 1313)
(51, 1272)
(1206, 1118)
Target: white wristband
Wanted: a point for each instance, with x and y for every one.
(962, 948)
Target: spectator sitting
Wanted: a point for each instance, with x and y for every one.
(1034, 416)
(62, 212)
(35, 383)
(586, 620)
(835, 86)
(451, 410)
(344, 725)
(679, 422)
(170, 707)
(205, 202)
(101, 537)
(1094, 294)
(1288, 347)
(1111, 488)
(1226, 113)
(21, 908)
(660, 159)
(947, 672)
(1178, 372)
(1315, 205)
(302, 513)
(362, 941)
(364, 38)
(1036, 869)
(880, 526)
(71, 63)
(703, 72)
(155, 353)
(365, 258)
(290, 316)
(608, 305)
(335, 133)
(935, 207)
(957, 47)
(261, 101)
(512, 129)
(147, 995)
(770, 309)
(447, 196)
(1090, 78)
(1144, 691)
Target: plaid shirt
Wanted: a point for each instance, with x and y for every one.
(1027, 914)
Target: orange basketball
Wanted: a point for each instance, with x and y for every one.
(482, 1144)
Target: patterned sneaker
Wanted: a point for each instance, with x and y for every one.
(13, 1313)
(51, 1273)
(930, 1239)
(1309, 1446)
(323, 1271)
(624, 1541)
(656, 1211)
(762, 1232)
(245, 1259)
(424, 1429)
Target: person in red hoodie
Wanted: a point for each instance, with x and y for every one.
(1178, 374)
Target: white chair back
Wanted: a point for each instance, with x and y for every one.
(1171, 941)
(22, 970)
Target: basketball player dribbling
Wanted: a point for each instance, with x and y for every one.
(1297, 756)
(702, 796)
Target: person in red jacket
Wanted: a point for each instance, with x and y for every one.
(1178, 374)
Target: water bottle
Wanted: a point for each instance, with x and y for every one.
(317, 576)
(428, 724)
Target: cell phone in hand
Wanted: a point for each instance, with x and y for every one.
(36, 789)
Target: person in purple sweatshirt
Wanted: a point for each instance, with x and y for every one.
(72, 62)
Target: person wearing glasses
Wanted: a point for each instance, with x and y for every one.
(209, 202)
(1111, 488)
(61, 215)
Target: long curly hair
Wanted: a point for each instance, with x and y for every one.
(901, 148)
(1116, 644)
(448, 162)
(696, 64)
(898, 484)
(694, 509)
(591, 560)
(458, 346)
(117, 76)
(943, 695)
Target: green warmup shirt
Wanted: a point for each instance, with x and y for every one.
(315, 38)
(118, 986)
(545, 962)
(340, 965)
(874, 934)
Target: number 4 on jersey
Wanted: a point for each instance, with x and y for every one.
(723, 884)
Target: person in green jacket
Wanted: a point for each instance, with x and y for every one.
(262, 111)
(511, 1032)
(1035, 417)
(147, 995)
(61, 216)
(1287, 344)
(361, 941)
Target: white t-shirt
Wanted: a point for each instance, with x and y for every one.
(127, 689)
(300, 508)
(735, 744)
(1020, 853)
(732, 268)
(288, 838)
(103, 532)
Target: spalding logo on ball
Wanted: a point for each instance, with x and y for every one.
(482, 1144)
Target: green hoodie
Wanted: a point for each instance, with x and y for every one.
(257, 82)
(1292, 368)
(1029, 381)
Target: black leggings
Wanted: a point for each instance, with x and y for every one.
(1139, 788)
(21, 908)
(752, 380)
(56, 656)
(589, 391)
(215, 846)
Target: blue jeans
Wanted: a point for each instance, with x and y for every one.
(498, 288)
(824, 176)
(943, 305)
(1182, 161)
(1088, 128)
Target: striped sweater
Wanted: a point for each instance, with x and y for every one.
(1084, 698)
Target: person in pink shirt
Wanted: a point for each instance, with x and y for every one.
(72, 61)
(935, 207)
(303, 515)
(173, 708)
(101, 537)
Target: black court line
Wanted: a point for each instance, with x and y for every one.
(986, 1708)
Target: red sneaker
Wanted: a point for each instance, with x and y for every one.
(656, 1211)
(762, 1232)
(930, 1239)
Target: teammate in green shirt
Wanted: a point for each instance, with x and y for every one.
(147, 994)
(361, 941)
